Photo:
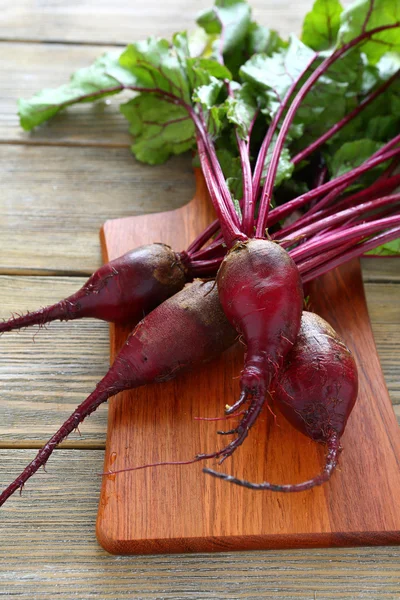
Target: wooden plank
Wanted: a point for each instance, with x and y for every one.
(380, 269)
(56, 199)
(176, 509)
(41, 383)
(48, 549)
(45, 374)
(28, 68)
(121, 22)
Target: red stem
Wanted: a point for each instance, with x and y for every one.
(333, 239)
(208, 147)
(374, 191)
(333, 130)
(270, 133)
(248, 198)
(309, 271)
(229, 229)
(344, 215)
(201, 239)
(269, 182)
(282, 211)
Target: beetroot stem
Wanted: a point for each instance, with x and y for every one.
(207, 146)
(344, 215)
(373, 191)
(229, 229)
(310, 271)
(378, 158)
(335, 238)
(201, 239)
(338, 126)
(273, 166)
(258, 169)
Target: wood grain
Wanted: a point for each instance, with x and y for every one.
(28, 68)
(56, 199)
(173, 509)
(122, 22)
(48, 549)
(40, 233)
(45, 374)
(47, 545)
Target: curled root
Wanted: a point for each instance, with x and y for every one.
(243, 428)
(224, 418)
(242, 431)
(331, 461)
(229, 410)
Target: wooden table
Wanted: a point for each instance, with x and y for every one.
(58, 186)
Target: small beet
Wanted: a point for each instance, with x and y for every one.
(316, 390)
(260, 290)
(121, 291)
(189, 328)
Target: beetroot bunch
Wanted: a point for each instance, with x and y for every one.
(298, 142)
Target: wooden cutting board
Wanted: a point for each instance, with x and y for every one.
(177, 508)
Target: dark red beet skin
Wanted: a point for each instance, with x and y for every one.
(121, 291)
(318, 384)
(260, 290)
(186, 329)
(316, 390)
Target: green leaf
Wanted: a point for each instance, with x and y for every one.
(212, 67)
(333, 96)
(261, 40)
(207, 96)
(158, 66)
(201, 71)
(389, 249)
(241, 110)
(351, 155)
(321, 24)
(104, 78)
(231, 17)
(159, 128)
(258, 40)
(378, 121)
(233, 188)
(200, 44)
(228, 158)
(364, 15)
(285, 165)
(273, 75)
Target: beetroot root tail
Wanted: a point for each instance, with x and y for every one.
(331, 461)
(104, 390)
(242, 430)
(61, 311)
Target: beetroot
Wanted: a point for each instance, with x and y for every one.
(316, 390)
(186, 329)
(121, 291)
(260, 291)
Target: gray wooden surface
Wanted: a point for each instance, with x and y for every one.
(58, 185)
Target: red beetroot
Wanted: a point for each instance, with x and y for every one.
(316, 391)
(260, 291)
(121, 291)
(186, 329)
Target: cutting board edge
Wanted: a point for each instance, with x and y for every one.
(243, 543)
